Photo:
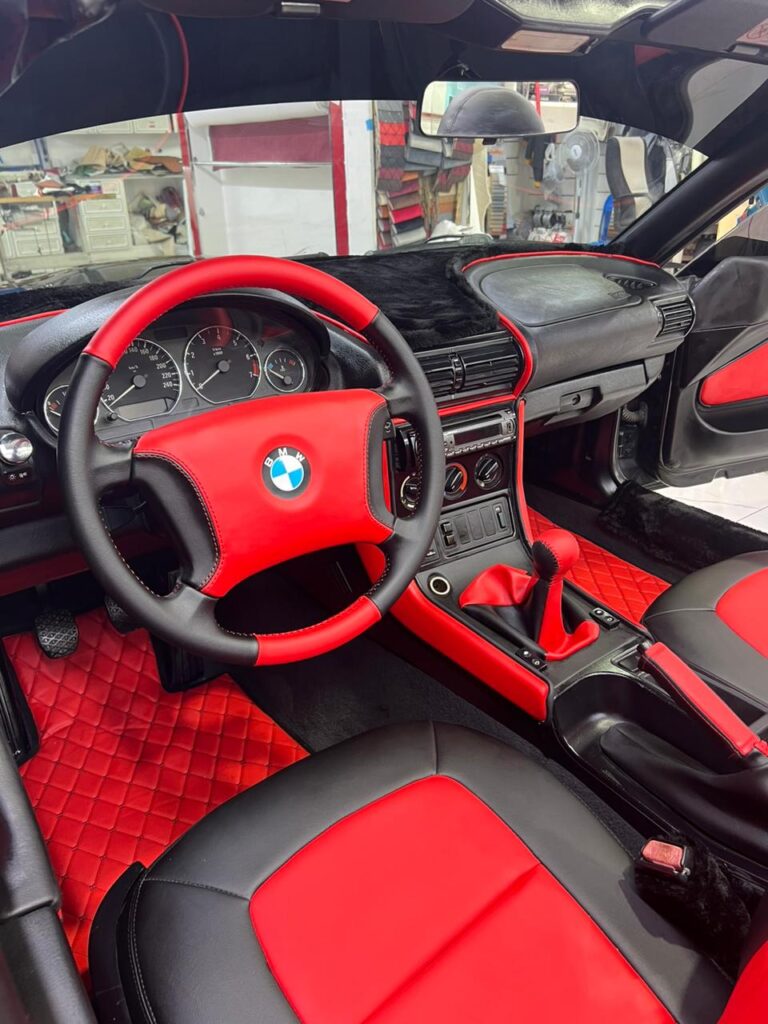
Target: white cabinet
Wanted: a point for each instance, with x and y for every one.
(102, 225)
(31, 231)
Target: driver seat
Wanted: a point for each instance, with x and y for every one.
(421, 873)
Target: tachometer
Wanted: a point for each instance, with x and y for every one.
(145, 383)
(222, 365)
(286, 370)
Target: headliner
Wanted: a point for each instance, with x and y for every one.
(129, 65)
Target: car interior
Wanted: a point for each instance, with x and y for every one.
(353, 668)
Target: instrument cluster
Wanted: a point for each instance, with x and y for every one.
(195, 359)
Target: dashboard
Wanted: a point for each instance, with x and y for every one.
(192, 360)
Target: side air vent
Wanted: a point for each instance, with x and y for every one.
(676, 316)
(492, 363)
(632, 284)
(440, 372)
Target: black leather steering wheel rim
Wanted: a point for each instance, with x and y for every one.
(88, 467)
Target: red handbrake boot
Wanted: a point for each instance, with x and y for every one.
(530, 607)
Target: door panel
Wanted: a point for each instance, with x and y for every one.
(743, 380)
(717, 413)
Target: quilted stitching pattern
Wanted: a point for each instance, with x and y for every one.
(125, 768)
(614, 582)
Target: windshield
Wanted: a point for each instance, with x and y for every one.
(107, 203)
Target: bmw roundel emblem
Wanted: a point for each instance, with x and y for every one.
(286, 472)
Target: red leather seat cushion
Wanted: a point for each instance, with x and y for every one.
(424, 905)
(742, 609)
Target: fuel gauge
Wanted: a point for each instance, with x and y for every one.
(54, 405)
(286, 370)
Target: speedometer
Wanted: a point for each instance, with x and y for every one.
(222, 365)
(145, 383)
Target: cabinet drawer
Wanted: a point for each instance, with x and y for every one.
(101, 241)
(94, 207)
(106, 222)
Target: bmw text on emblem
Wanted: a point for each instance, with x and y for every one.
(286, 472)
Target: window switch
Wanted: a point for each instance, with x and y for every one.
(501, 516)
(449, 535)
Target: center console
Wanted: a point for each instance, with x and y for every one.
(481, 528)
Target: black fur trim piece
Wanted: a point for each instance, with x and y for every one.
(713, 906)
(423, 291)
(673, 533)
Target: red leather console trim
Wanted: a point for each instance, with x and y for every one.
(220, 274)
(522, 504)
(425, 906)
(616, 584)
(558, 252)
(462, 644)
(742, 609)
(743, 380)
(124, 768)
(279, 648)
(703, 700)
(223, 452)
(522, 341)
(747, 1003)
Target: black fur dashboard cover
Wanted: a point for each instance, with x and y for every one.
(422, 291)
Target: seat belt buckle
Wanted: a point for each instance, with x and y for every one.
(660, 857)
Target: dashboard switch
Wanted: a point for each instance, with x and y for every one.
(15, 448)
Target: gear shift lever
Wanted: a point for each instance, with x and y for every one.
(529, 608)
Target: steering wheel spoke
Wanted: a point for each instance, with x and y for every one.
(398, 398)
(112, 466)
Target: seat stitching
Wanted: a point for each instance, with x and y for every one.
(199, 885)
(487, 909)
(135, 964)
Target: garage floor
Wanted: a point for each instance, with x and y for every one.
(743, 500)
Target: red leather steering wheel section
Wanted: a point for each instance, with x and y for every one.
(220, 274)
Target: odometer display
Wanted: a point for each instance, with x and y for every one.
(222, 365)
(145, 383)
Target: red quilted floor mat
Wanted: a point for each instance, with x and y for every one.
(616, 583)
(124, 767)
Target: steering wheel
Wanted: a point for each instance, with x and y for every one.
(248, 486)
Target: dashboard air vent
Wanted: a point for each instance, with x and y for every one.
(676, 316)
(491, 366)
(491, 363)
(440, 372)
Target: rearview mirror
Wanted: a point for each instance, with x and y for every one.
(498, 110)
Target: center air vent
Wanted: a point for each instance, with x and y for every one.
(491, 366)
(494, 363)
(676, 316)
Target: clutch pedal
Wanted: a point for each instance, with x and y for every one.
(57, 633)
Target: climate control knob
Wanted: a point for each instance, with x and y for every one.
(489, 471)
(456, 479)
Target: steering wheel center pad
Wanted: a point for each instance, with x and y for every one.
(280, 477)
